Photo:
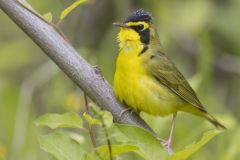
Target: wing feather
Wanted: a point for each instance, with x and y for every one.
(167, 74)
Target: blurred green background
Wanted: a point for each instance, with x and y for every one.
(201, 36)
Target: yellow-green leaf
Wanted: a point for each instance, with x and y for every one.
(192, 148)
(107, 119)
(117, 149)
(66, 11)
(67, 120)
(61, 146)
(150, 148)
(96, 109)
(48, 16)
(90, 119)
(105, 116)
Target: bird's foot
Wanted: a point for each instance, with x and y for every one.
(167, 145)
(125, 110)
(163, 141)
(129, 109)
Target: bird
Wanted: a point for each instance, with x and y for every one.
(146, 79)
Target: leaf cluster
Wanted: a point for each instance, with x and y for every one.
(68, 142)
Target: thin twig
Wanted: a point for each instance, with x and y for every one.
(100, 116)
(108, 140)
(89, 127)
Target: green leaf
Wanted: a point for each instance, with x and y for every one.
(192, 148)
(90, 157)
(96, 110)
(90, 119)
(149, 147)
(107, 119)
(103, 115)
(116, 150)
(67, 120)
(66, 11)
(77, 137)
(48, 16)
(61, 146)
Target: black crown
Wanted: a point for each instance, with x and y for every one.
(139, 15)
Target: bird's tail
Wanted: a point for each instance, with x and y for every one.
(204, 114)
(214, 121)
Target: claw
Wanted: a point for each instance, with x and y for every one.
(167, 143)
(125, 110)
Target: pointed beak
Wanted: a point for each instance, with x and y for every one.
(120, 24)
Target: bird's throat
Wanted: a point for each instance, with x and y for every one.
(129, 46)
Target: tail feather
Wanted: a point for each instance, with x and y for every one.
(214, 121)
(204, 114)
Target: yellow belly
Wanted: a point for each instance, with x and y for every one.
(139, 90)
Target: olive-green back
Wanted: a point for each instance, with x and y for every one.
(167, 74)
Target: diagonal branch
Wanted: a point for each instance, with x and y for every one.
(66, 57)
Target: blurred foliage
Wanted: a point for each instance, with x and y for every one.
(126, 138)
(201, 37)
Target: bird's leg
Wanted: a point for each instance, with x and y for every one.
(168, 142)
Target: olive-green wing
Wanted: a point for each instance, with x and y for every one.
(167, 74)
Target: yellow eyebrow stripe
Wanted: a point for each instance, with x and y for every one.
(146, 25)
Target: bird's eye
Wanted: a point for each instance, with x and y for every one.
(139, 27)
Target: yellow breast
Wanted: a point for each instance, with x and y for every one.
(134, 86)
